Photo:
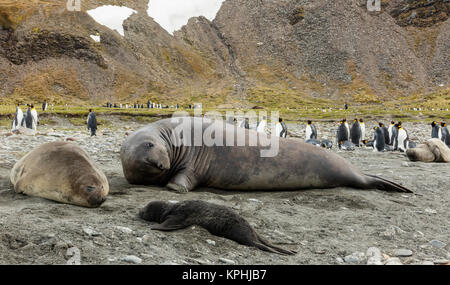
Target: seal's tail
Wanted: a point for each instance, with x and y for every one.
(386, 185)
(266, 246)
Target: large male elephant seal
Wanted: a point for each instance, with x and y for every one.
(433, 150)
(218, 220)
(161, 154)
(63, 172)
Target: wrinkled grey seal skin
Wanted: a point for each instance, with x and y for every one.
(149, 157)
(218, 220)
(433, 150)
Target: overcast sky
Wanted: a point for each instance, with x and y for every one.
(111, 16)
(173, 14)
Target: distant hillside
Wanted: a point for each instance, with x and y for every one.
(256, 52)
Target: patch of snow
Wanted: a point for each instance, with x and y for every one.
(96, 38)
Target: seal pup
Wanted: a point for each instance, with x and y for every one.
(218, 220)
(159, 154)
(63, 172)
(433, 150)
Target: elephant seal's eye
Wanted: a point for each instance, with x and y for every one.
(90, 188)
(149, 145)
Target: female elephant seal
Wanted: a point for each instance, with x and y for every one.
(218, 220)
(170, 152)
(63, 172)
(433, 150)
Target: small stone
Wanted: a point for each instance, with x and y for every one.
(227, 261)
(173, 201)
(254, 200)
(440, 261)
(339, 260)
(405, 164)
(430, 211)
(393, 261)
(374, 256)
(354, 258)
(427, 262)
(132, 259)
(125, 230)
(90, 232)
(437, 243)
(403, 252)
(211, 242)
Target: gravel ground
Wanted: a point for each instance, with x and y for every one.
(335, 226)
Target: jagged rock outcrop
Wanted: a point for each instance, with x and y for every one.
(253, 50)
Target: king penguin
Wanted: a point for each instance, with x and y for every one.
(402, 140)
(435, 130)
(34, 118)
(363, 129)
(355, 133)
(445, 134)
(385, 132)
(18, 118)
(378, 140)
(390, 131)
(342, 133)
(311, 131)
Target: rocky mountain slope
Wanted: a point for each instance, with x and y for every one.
(254, 52)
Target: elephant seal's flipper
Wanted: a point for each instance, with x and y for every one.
(386, 185)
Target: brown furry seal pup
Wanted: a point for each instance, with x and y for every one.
(63, 172)
(218, 220)
(167, 153)
(433, 150)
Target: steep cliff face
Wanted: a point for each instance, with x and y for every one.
(252, 52)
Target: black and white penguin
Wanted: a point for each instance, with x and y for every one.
(346, 145)
(385, 133)
(402, 139)
(355, 133)
(18, 118)
(313, 142)
(149, 104)
(261, 127)
(445, 134)
(378, 139)
(342, 133)
(92, 122)
(44, 106)
(362, 125)
(390, 131)
(311, 131)
(326, 144)
(435, 130)
(34, 118)
(348, 129)
(28, 118)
